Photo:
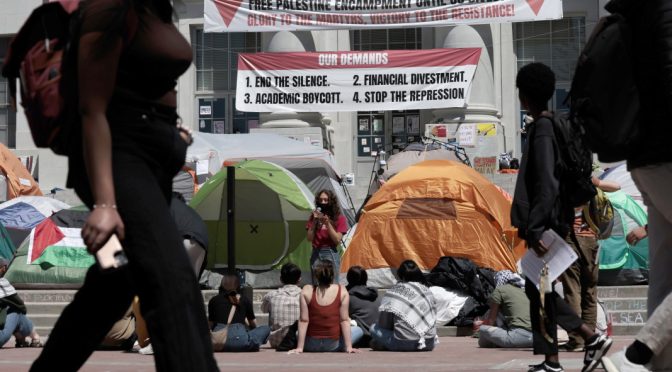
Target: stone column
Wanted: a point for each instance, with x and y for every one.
(286, 41)
(481, 106)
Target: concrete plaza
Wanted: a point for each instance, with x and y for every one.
(452, 354)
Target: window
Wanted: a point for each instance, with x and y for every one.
(217, 58)
(7, 116)
(379, 129)
(556, 44)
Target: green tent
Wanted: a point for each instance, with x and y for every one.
(272, 206)
(6, 245)
(620, 262)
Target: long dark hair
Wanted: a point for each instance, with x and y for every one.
(333, 203)
(324, 273)
(409, 271)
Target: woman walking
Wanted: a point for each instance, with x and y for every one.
(129, 57)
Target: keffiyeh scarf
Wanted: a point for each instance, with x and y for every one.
(6, 289)
(412, 303)
(509, 277)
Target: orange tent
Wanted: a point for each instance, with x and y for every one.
(19, 180)
(432, 209)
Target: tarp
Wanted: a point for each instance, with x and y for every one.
(62, 263)
(7, 247)
(218, 148)
(620, 262)
(271, 209)
(21, 214)
(19, 181)
(621, 176)
(410, 156)
(433, 209)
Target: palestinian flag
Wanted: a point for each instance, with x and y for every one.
(57, 241)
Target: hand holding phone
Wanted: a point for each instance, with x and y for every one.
(111, 255)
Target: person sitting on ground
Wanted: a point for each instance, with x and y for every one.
(13, 319)
(324, 324)
(510, 300)
(230, 309)
(364, 302)
(122, 335)
(407, 320)
(283, 304)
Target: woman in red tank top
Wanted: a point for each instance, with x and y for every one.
(324, 324)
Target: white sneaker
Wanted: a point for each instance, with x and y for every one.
(624, 365)
(147, 350)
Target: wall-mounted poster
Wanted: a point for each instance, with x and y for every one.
(378, 126)
(364, 146)
(413, 123)
(364, 125)
(398, 125)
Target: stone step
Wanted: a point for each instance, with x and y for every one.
(629, 317)
(617, 304)
(46, 307)
(634, 291)
(626, 305)
(625, 329)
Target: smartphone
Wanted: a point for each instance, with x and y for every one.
(111, 255)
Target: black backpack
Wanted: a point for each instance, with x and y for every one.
(603, 99)
(575, 161)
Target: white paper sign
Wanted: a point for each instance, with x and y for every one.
(559, 257)
(205, 110)
(466, 135)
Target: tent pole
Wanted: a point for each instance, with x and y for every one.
(230, 217)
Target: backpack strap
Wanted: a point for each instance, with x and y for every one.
(232, 311)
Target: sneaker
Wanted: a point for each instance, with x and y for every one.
(147, 350)
(594, 352)
(624, 365)
(543, 367)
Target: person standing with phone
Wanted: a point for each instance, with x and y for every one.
(129, 57)
(325, 228)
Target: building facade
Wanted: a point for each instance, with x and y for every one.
(207, 90)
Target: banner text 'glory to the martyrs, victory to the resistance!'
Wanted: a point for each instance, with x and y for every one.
(300, 15)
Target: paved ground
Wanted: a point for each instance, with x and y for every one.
(452, 354)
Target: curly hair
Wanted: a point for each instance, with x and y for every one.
(536, 82)
(333, 203)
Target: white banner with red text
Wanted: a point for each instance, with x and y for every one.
(301, 15)
(355, 81)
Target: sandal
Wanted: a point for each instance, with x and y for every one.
(35, 343)
(19, 345)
